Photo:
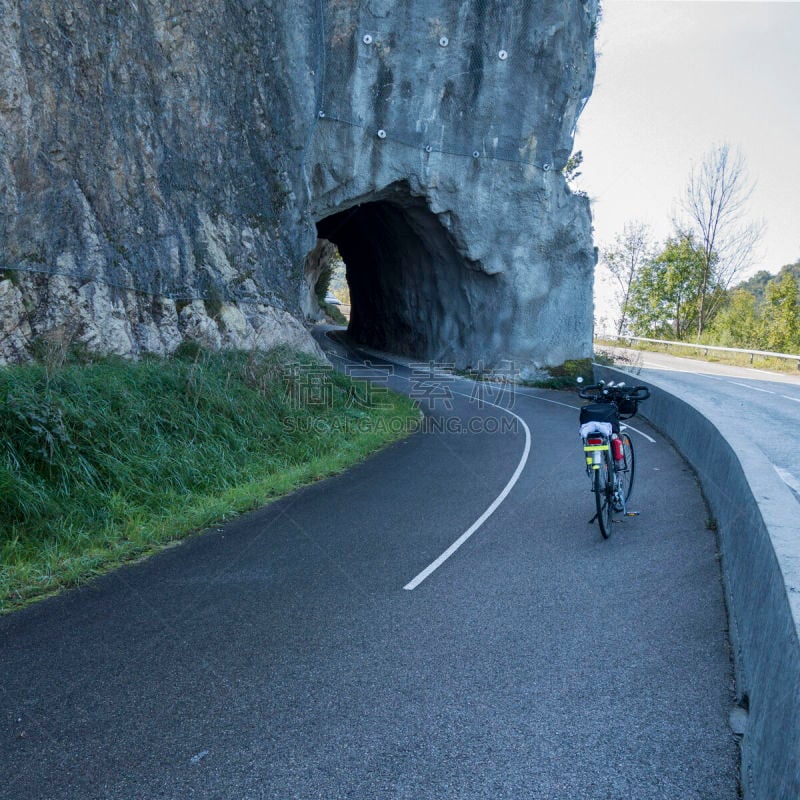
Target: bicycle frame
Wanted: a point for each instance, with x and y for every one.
(606, 482)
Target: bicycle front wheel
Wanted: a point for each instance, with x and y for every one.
(603, 488)
(627, 470)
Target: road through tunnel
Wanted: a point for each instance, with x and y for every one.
(412, 292)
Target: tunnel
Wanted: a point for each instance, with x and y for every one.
(411, 291)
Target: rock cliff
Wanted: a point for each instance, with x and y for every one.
(166, 169)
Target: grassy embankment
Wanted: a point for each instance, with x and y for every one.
(105, 462)
(699, 354)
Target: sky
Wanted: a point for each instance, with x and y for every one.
(676, 78)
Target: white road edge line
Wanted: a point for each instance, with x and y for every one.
(786, 397)
(434, 565)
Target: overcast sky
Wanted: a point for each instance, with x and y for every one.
(676, 77)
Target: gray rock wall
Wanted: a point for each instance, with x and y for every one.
(164, 166)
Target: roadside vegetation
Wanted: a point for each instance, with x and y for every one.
(564, 376)
(690, 288)
(105, 462)
(332, 283)
(606, 352)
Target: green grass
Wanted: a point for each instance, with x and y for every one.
(564, 376)
(106, 462)
(334, 312)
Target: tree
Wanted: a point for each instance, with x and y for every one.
(625, 260)
(762, 313)
(781, 315)
(757, 284)
(570, 169)
(665, 297)
(714, 203)
(739, 322)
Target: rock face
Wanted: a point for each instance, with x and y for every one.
(167, 168)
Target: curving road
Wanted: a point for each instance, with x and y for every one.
(764, 404)
(440, 621)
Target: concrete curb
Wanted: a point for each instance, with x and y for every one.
(759, 535)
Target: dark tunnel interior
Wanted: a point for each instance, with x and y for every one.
(410, 289)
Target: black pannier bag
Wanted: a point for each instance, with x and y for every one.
(601, 412)
(627, 407)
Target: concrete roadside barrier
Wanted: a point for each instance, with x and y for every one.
(758, 523)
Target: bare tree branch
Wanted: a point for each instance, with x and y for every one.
(624, 260)
(715, 203)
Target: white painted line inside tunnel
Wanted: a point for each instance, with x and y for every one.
(434, 565)
(788, 479)
(754, 388)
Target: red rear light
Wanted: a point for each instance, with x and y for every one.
(595, 441)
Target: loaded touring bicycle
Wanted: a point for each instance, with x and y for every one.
(608, 449)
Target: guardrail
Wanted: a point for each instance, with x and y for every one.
(706, 347)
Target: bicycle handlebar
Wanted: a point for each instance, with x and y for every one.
(610, 391)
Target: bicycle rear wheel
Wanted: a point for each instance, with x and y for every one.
(603, 488)
(626, 473)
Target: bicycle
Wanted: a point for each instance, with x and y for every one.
(609, 453)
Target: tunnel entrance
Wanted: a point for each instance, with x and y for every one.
(411, 291)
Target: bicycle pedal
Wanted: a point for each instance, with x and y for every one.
(631, 513)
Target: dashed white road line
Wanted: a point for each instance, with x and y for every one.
(786, 397)
(753, 388)
(434, 565)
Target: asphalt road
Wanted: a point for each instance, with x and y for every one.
(289, 654)
(764, 404)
